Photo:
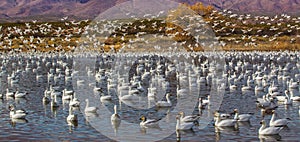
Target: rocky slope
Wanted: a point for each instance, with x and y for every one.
(87, 9)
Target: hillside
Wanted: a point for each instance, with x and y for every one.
(20, 10)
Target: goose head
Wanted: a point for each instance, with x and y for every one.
(181, 113)
(143, 118)
(235, 110)
(178, 117)
(273, 112)
(286, 92)
(263, 122)
(11, 107)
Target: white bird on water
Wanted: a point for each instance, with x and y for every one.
(264, 130)
(167, 103)
(89, 109)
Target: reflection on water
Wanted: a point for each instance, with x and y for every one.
(271, 138)
(46, 122)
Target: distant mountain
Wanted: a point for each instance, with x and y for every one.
(258, 6)
(88, 9)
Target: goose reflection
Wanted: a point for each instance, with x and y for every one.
(21, 100)
(90, 117)
(264, 138)
(115, 125)
(245, 124)
(54, 111)
(144, 129)
(14, 122)
(227, 130)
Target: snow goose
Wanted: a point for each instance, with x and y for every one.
(16, 114)
(225, 122)
(190, 118)
(115, 117)
(201, 105)
(89, 109)
(65, 96)
(263, 130)
(167, 103)
(105, 97)
(148, 122)
(206, 102)
(72, 118)
(278, 122)
(181, 125)
(288, 101)
(74, 101)
(283, 98)
(20, 94)
(242, 117)
(9, 94)
(67, 92)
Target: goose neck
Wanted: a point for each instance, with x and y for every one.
(87, 104)
(70, 111)
(168, 99)
(273, 117)
(236, 116)
(262, 127)
(115, 109)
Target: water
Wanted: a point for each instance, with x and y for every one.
(44, 123)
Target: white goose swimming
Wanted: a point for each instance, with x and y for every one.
(115, 117)
(105, 97)
(72, 118)
(148, 122)
(181, 125)
(190, 118)
(74, 101)
(65, 96)
(89, 109)
(263, 130)
(283, 98)
(9, 94)
(20, 94)
(225, 122)
(167, 103)
(201, 105)
(278, 122)
(16, 114)
(288, 101)
(242, 117)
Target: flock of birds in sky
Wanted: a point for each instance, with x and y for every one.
(230, 28)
